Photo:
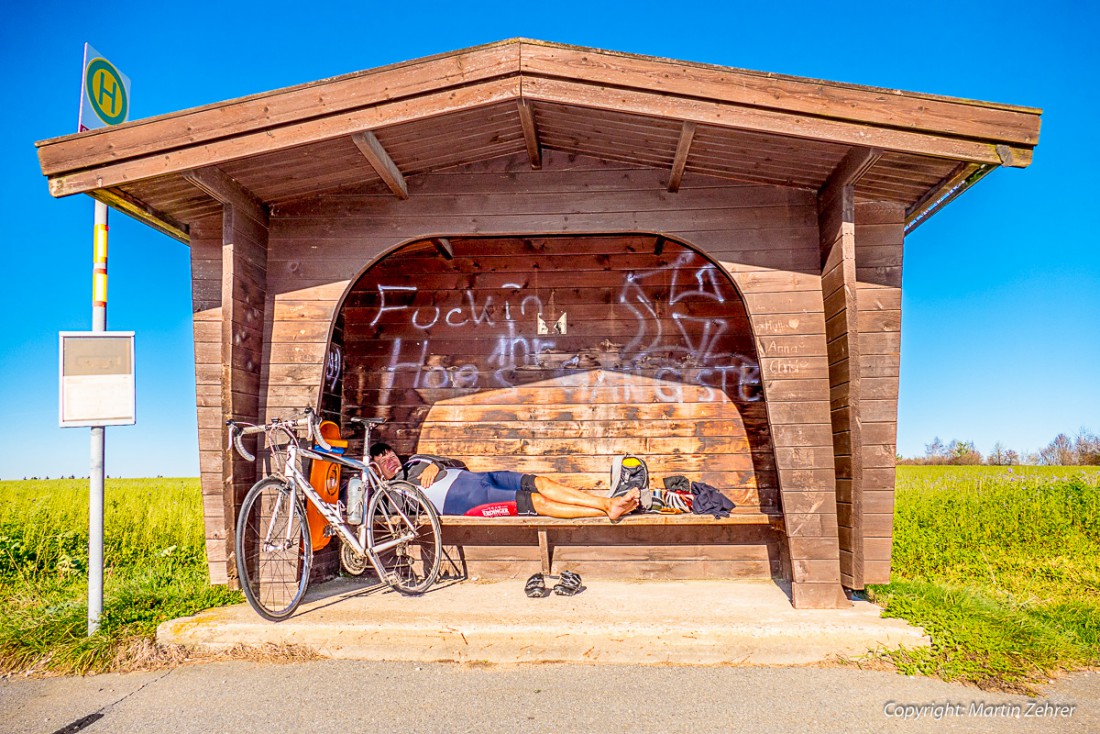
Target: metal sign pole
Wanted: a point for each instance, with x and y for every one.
(104, 101)
(99, 437)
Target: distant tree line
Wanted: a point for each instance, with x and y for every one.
(1081, 449)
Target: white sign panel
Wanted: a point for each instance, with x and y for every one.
(104, 93)
(97, 378)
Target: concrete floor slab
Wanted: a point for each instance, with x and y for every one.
(621, 622)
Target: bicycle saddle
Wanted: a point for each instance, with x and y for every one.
(371, 421)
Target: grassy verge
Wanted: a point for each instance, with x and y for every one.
(155, 560)
(1000, 566)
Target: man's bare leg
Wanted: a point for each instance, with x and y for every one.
(556, 493)
(549, 508)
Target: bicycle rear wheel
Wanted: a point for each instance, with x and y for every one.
(401, 517)
(274, 552)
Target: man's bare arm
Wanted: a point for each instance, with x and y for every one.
(428, 475)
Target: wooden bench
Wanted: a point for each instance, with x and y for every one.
(543, 525)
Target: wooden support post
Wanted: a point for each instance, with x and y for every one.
(206, 305)
(546, 552)
(836, 222)
(243, 299)
(530, 133)
(369, 145)
(880, 232)
(687, 135)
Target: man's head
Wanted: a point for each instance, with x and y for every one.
(386, 459)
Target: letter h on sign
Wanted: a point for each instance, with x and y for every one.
(105, 88)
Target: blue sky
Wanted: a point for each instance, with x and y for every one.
(1001, 301)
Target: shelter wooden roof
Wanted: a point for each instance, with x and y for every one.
(380, 127)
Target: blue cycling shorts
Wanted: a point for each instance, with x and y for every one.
(471, 489)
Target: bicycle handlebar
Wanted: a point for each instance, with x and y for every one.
(309, 422)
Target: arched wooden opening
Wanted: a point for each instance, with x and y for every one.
(551, 355)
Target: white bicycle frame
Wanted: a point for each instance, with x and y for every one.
(332, 512)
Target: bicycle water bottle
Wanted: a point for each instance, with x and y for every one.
(355, 501)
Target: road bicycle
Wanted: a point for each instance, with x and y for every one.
(390, 524)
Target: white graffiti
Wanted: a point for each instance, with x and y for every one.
(530, 341)
(430, 324)
(383, 308)
(334, 366)
(711, 330)
(706, 280)
(632, 293)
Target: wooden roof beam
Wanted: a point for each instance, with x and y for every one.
(848, 172)
(443, 245)
(530, 133)
(721, 114)
(718, 114)
(139, 210)
(836, 201)
(369, 145)
(192, 155)
(348, 97)
(351, 98)
(683, 148)
(229, 192)
(950, 188)
(1013, 125)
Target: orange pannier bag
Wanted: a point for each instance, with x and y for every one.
(324, 476)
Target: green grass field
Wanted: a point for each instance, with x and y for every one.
(155, 562)
(1001, 566)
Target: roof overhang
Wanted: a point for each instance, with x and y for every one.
(381, 126)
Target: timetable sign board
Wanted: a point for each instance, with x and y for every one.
(97, 378)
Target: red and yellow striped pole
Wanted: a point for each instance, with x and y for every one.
(99, 269)
(99, 433)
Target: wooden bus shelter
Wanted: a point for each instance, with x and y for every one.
(536, 257)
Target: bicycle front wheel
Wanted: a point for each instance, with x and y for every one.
(274, 553)
(403, 537)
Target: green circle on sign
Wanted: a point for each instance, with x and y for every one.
(106, 91)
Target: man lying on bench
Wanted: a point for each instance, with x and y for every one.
(456, 490)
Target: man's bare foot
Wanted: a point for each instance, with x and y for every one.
(620, 506)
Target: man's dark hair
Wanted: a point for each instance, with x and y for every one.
(380, 448)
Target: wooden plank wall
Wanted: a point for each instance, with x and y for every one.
(657, 359)
(229, 276)
(879, 236)
(767, 238)
(570, 428)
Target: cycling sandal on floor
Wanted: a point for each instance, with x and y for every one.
(536, 587)
(569, 584)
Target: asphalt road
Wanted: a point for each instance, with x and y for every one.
(348, 696)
